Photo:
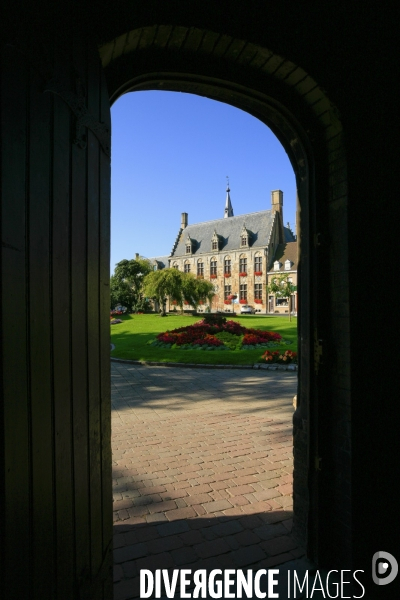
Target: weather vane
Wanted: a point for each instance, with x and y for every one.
(227, 181)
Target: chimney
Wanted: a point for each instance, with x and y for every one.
(184, 220)
(277, 206)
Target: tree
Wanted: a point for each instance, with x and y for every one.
(163, 283)
(283, 288)
(179, 287)
(127, 282)
(196, 290)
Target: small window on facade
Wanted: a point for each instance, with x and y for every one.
(214, 244)
(227, 265)
(277, 265)
(175, 266)
(281, 301)
(258, 264)
(187, 268)
(242, 265)
(227, 291)
(243, 292)
(288, 264)
(213, 267)
(188, 249)
(243, 241)
(200, 269)
(258, 291)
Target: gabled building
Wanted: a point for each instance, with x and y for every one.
(284, 263)
(234, 252)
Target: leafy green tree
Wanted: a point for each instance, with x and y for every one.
(196, 290)
(163, 283)
(283, 288)
(127, 282)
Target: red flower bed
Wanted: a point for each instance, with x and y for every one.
(209, 340)
(243, 301)
(258, 301)
(201, 334)
(257, 272)
(227, 302)
(227, 274)
(213, 276)
(243, 274)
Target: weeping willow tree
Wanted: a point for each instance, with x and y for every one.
(196, 290)
(162, 284)
(178, 287)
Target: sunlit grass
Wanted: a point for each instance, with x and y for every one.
(131, 339)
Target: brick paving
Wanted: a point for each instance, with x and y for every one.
(202, 470)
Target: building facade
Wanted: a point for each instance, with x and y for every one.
(284, 263)
(235, 253)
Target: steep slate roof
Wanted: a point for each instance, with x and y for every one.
(285, 252)
(161, 260)
(258, 223)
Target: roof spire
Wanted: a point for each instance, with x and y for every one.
(228, 206)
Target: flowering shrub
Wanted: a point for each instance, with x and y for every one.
(279, 357)
(270, 356)
(257, 272)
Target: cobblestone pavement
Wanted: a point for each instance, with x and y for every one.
(202, 470)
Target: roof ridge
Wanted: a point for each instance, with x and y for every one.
(229, 218)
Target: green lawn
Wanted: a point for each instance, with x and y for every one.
(130, 339)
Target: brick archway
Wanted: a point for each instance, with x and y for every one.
(284, 97)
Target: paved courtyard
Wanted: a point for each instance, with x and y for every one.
(202, 470)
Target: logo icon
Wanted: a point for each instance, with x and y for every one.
(384, 568)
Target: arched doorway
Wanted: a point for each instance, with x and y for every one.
(286, 99)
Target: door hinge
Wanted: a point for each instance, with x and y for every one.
(317, 239)
(317, 463)
(318, 351)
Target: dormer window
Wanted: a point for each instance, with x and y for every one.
(288, 265)
(244, 237)
(189, 245)
(277, 265)
(215, 242)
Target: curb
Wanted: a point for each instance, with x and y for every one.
(256, 366)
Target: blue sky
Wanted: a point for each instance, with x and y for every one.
(171, 153)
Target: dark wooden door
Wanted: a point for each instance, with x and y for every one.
(55, 417)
